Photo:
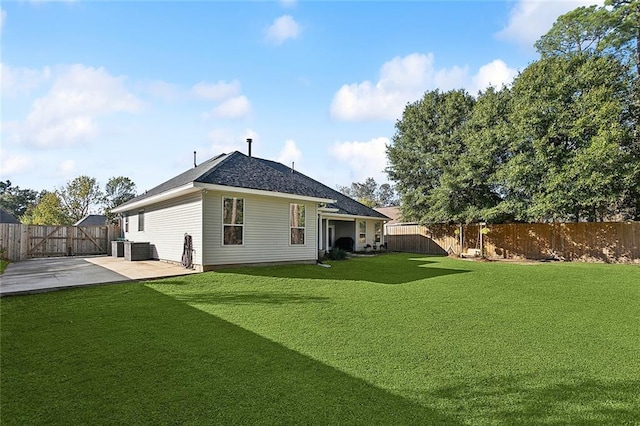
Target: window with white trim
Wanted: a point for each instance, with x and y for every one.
(297, 216)
(363, 231)
(126, 222)
(232, 221)
(377, 232)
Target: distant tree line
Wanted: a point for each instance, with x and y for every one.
(560, 144)
(370, 193)
(67, 205)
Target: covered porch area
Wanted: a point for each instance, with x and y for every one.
(365, 233)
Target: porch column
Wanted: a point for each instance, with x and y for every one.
(319, 231)
(326, 230)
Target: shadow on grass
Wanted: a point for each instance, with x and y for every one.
(131, 355)
(561, 397)
(250, 298)
(396, 268)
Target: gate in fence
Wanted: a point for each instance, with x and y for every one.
(19, 242)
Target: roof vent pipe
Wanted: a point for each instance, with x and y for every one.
(194, 160)
(249, 141)
(293, 167)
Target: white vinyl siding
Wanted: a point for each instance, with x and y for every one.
(267, 231)
(165, 224)
(369, 235)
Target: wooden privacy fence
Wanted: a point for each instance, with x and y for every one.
(19, 242)
(586, 241)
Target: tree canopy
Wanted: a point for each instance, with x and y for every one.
(48, 211)
(79, 195)
(370, 193)
(559, 144)
(16, 200)
(117, 190)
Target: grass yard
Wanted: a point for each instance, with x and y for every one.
(392, 339)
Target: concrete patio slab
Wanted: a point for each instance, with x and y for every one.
(140, 269)
(49, 274)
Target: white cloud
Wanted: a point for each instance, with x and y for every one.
(402, 79)
(234, 108)
(216, 91)
(405, 79)
(364, 159)
(15, 164)
(20, 81)
(282, 29)
(68, 113)
(289, 153)
(225, 140)
(529, 20)
(495, 73)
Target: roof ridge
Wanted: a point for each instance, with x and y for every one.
(211, 169)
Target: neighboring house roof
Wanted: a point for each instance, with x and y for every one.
(6, 217)
(237, 170)
(92, 220)
(392, 212)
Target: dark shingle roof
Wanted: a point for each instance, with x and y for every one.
(92, 220)
(6, 217)
(241, 171)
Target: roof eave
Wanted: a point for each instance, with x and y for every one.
(224, 188)
(344, 216)
(163, 196)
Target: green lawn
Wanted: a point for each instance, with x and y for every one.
(393, 339)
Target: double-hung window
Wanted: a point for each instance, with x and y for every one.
(126, 222)
(363, 231)
(377, 232)
(232, 221)
(297, 222)
(141, 220)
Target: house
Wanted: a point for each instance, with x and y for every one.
(6, 217)
(392, 212)
(240, 209)
(92, 220)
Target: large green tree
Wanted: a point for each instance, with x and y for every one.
(79, 196)
(16, 200)
(468, 190)
(613, 30)
(561, 143)
(118, 190)
(567, 120)
(47, 211)
(626, 22)
(424, 152)
(585, 29)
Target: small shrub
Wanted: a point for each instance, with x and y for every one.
(3, 265)
(337, 254)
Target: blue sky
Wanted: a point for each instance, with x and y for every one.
(133, 88)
